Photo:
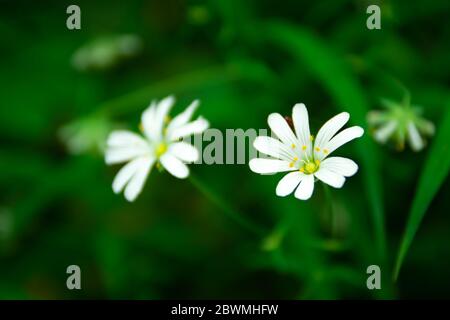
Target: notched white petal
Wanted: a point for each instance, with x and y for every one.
(343, 137)
(330, 128)
(174, 166)
(136, 184)
(329, 177)
(165, 104)
(269, 166)
(288, 183)
(182, 118)
(274, 148)
(306, 187)
(383, 133)
(127, 172)
(281, 129)
(184, 151)
(153, 118)
(191, 128)
(123, 154)
(343, 166)
(415, 140)
(148, 119)
(120, 138)
(301, 124)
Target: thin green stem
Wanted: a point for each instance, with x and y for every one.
(230, 212)
(329, 200)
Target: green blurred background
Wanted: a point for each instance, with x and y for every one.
(243, 60)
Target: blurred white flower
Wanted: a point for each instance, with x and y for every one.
(302, 155)
(400, 121)
(106, 52)
(86, 134)
(160, 144)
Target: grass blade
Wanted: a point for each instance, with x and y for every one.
(435, 171)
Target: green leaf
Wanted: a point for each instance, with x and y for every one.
(334, 74)
(435, 172)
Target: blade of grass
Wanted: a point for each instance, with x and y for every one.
(434, 174)
(335, 76)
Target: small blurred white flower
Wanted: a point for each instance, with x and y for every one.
(400, 121)
(86, 134)
(160, 144)
(106, 52)
(303, 155)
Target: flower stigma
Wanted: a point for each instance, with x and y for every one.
(161, 149)
(310, 167)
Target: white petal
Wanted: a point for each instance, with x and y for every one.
(184, 151)
(288, 184)
(194, 127)
(330, 128)
(383, 133)
(375, 117)
(342, 138)
(127, 172)
(153, 120)
(182, 118)
(425, 126)
(341, 166)
(414, 137)
(124, 154)
(305, 189)
(120, 138)
(301, 125)
(329, 177)
(273, 148)
(174, 166)
(136, 184)
(269, 166)
(148, 120)
(280, 127)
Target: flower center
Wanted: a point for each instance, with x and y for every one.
(310, 167)
(161, 149)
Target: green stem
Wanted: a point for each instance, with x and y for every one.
(329, 199)
(230, 212)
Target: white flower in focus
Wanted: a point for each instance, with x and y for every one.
(400, 122)
(304, 157)
(160, 144)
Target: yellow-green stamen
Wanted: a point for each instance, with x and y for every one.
(310, 167)
(161, 149)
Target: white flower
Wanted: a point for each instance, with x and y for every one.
(161, 144)
(302, 155)
(106, 52)
(86, 134)
(400, 121)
